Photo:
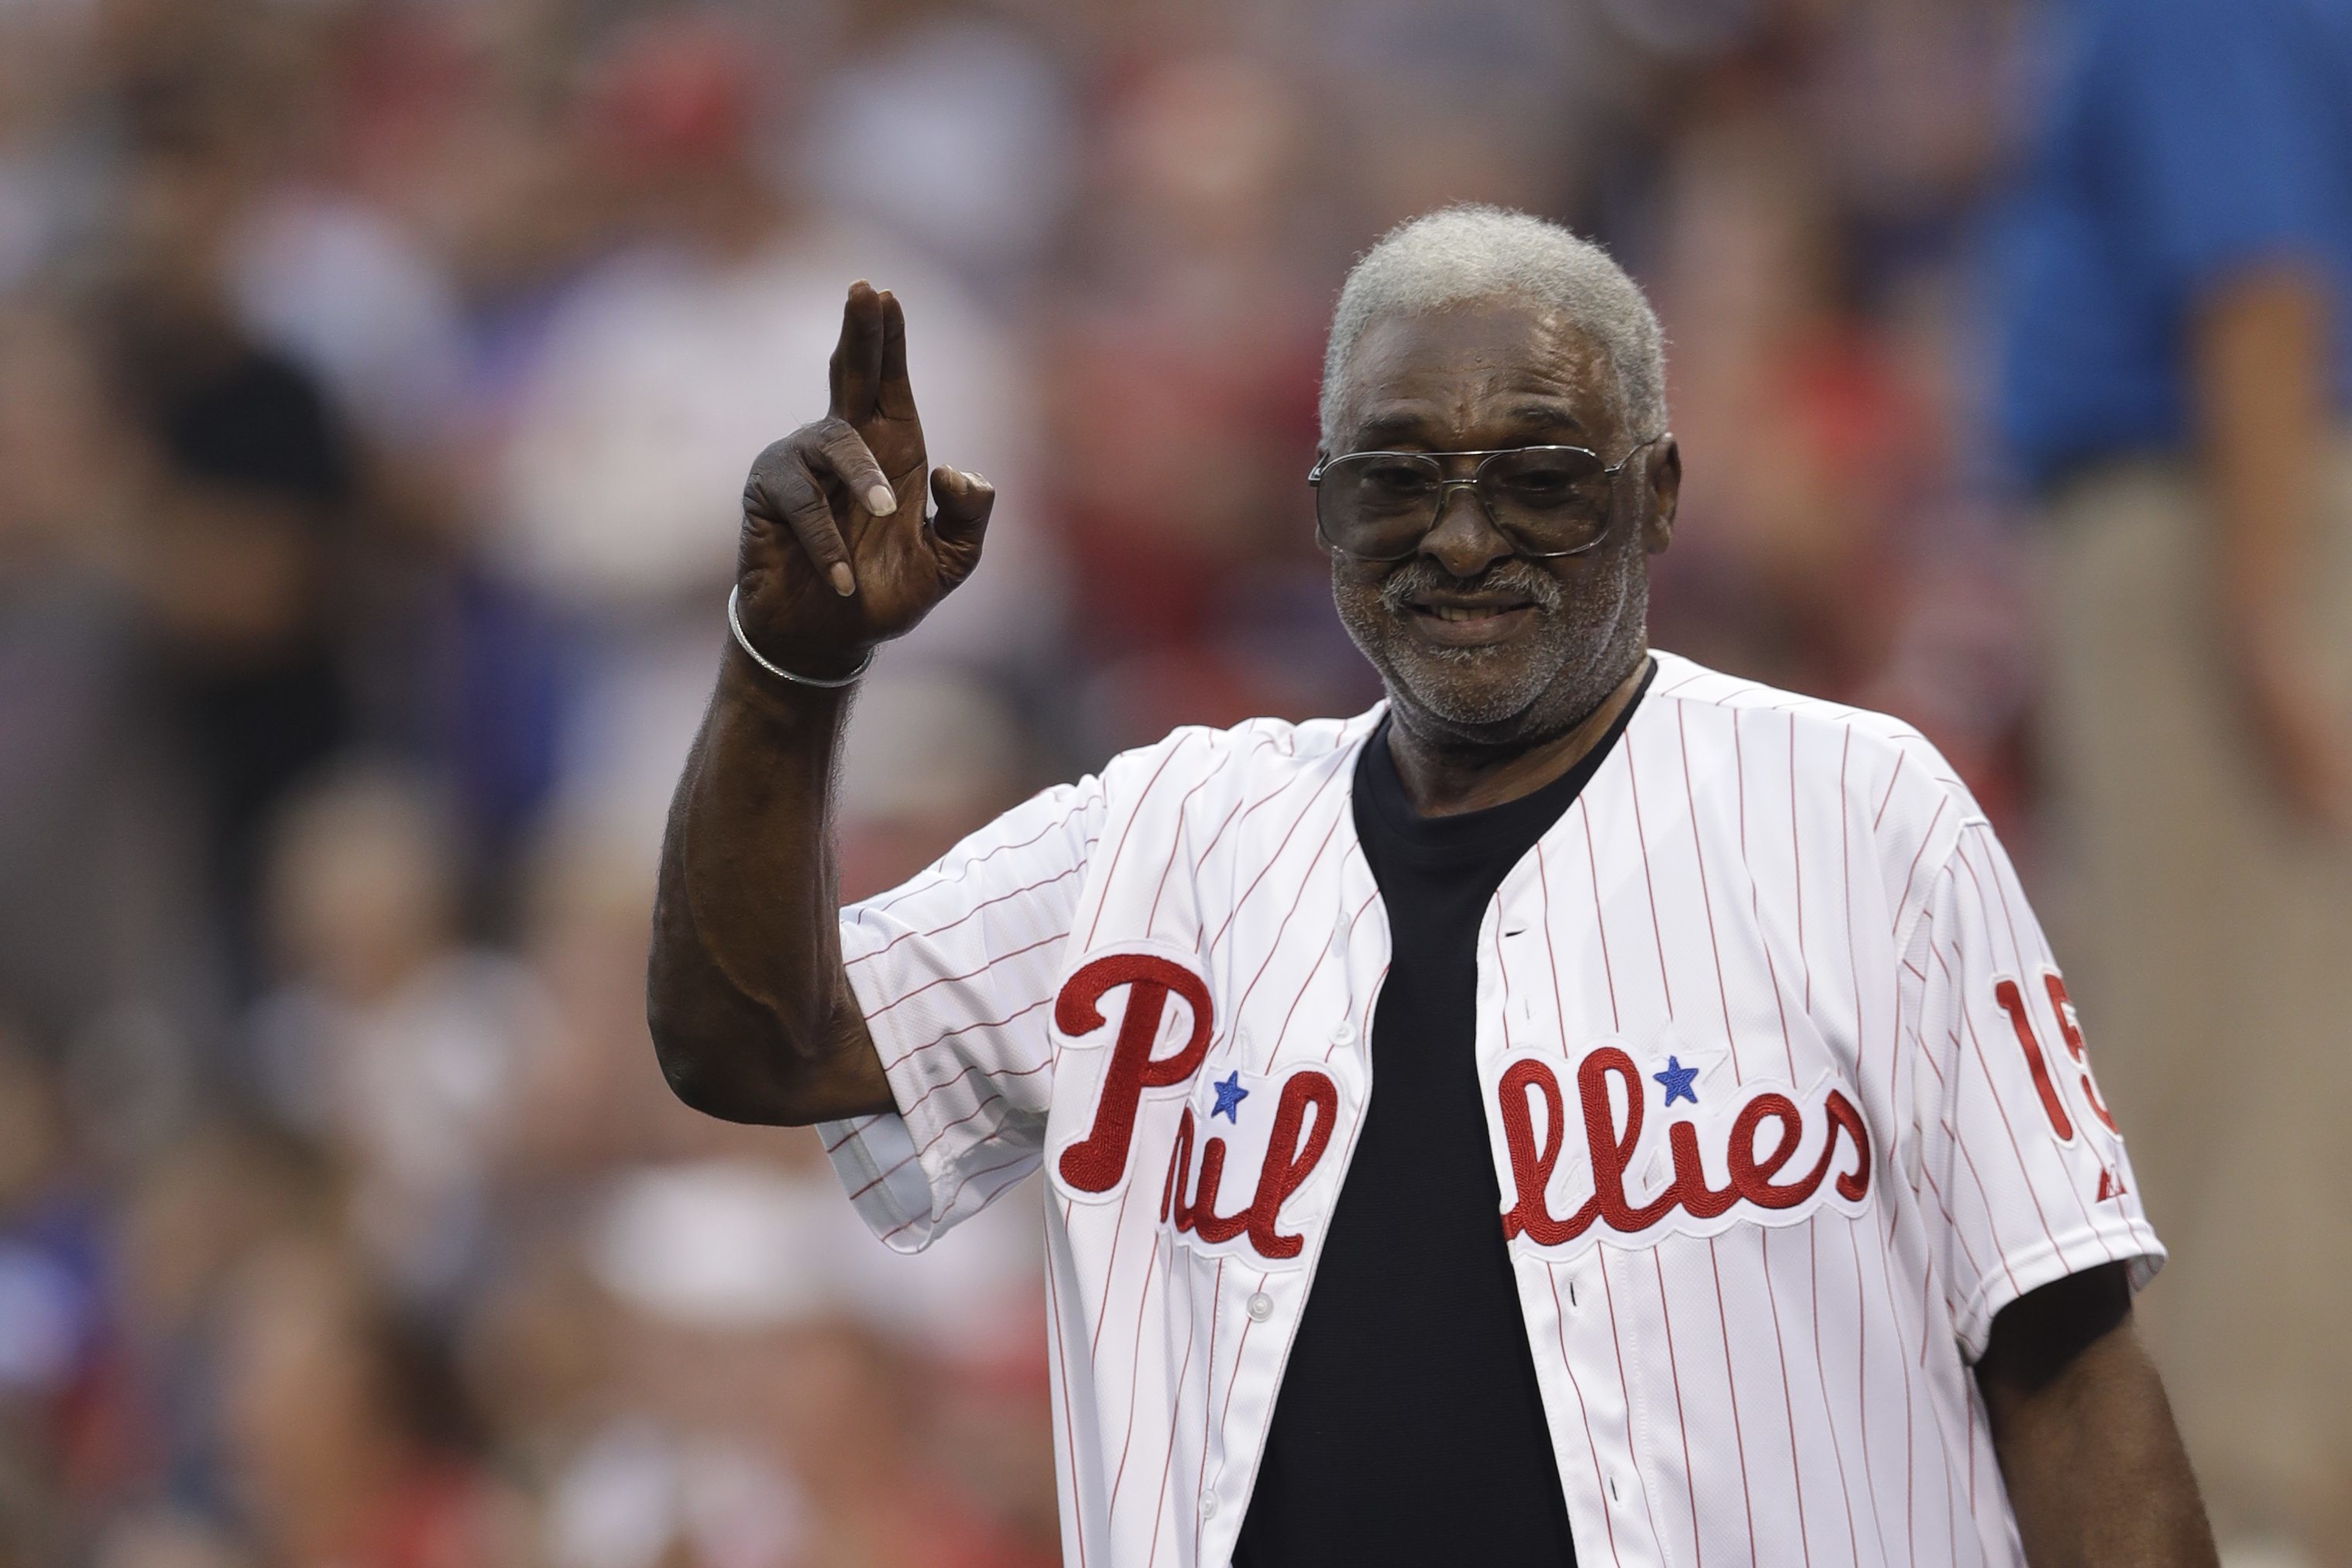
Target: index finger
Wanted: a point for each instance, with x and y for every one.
(855, 374)
(896, 393)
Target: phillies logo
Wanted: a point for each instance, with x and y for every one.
(1713, 1161)
(1287, 1131)
(1096, 1163)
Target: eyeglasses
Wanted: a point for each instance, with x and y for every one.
(1547, 501)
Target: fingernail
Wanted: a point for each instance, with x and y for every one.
(844, 584)
(880, 501)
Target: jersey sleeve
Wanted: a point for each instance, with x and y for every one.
(2024, 1174)
(955, 972)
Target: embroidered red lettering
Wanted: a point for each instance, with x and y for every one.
(2012, 1002)
(1097, 1162)
(1531, 1168)
(1730, 1131)
(1305, 1113)
(1291, 1158)
(2070, 1029)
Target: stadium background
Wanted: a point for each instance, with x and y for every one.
(376, 381)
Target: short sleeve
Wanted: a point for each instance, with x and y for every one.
(955, 972)
(2024, 1177)
(2211, 137)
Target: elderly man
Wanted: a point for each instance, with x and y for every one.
(1737, 1185)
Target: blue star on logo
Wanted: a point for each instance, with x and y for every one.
(1677, 1080)
(1230, 1094)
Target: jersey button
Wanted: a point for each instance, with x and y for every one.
(1343, 1033)
(1261, 1307)
(1209, 1506)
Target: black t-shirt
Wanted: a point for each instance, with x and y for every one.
(1409, 1427)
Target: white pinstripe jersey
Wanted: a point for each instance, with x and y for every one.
(1785, 1097)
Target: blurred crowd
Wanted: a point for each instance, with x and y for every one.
(377, 379)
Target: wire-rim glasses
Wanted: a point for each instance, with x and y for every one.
(1548, 501)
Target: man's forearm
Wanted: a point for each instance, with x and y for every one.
(2094, 1464)
(745, 994)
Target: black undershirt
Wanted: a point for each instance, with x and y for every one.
(1409, 1427)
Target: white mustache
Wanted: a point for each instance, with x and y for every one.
(1539, 587)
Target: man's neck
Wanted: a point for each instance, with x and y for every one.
(1443, 779)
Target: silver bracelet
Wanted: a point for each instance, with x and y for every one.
(735, 624)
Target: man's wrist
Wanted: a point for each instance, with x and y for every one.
(816, 669)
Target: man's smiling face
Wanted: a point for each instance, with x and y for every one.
(1475, 643)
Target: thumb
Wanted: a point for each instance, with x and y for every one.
(964, 502)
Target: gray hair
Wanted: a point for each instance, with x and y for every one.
(1472, 252)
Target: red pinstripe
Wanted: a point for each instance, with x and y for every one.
(1245, 815)
(1731, 1383)
(1797, 858)
(1862, 1359)
(1861, 1055)
(967, 914)
(902, 1163)
(1600, 927)
(1641, 836)
(1069, 1428)
(1788, 1399)
(1175, 1402)
(1739, 689)
(1503, 971)
(1707, 898)
(1176, 839)
(1950, 1220)
(1984, 1196)
(858, 1126)
(968, 1072)
(1617, 1344)
(965, 1028)
(1273, 860)
(1943, 1442)
(1282, 1033)
(1135, 1359)
(949, 1207)
(1560, 1321)
(1110, 872)
(969, 974)
(1209, 1386)
(1110, 1275)
(1224, 1413)
(1675, 1367)
(942, 880)
(1820, 1375)
(1888, 800)
(1756, 907)
(983, 1103)
(1283, 929)
(1924, 839)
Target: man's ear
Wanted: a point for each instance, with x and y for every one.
(1664, 472)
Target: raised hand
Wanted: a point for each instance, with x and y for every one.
(836, 553)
